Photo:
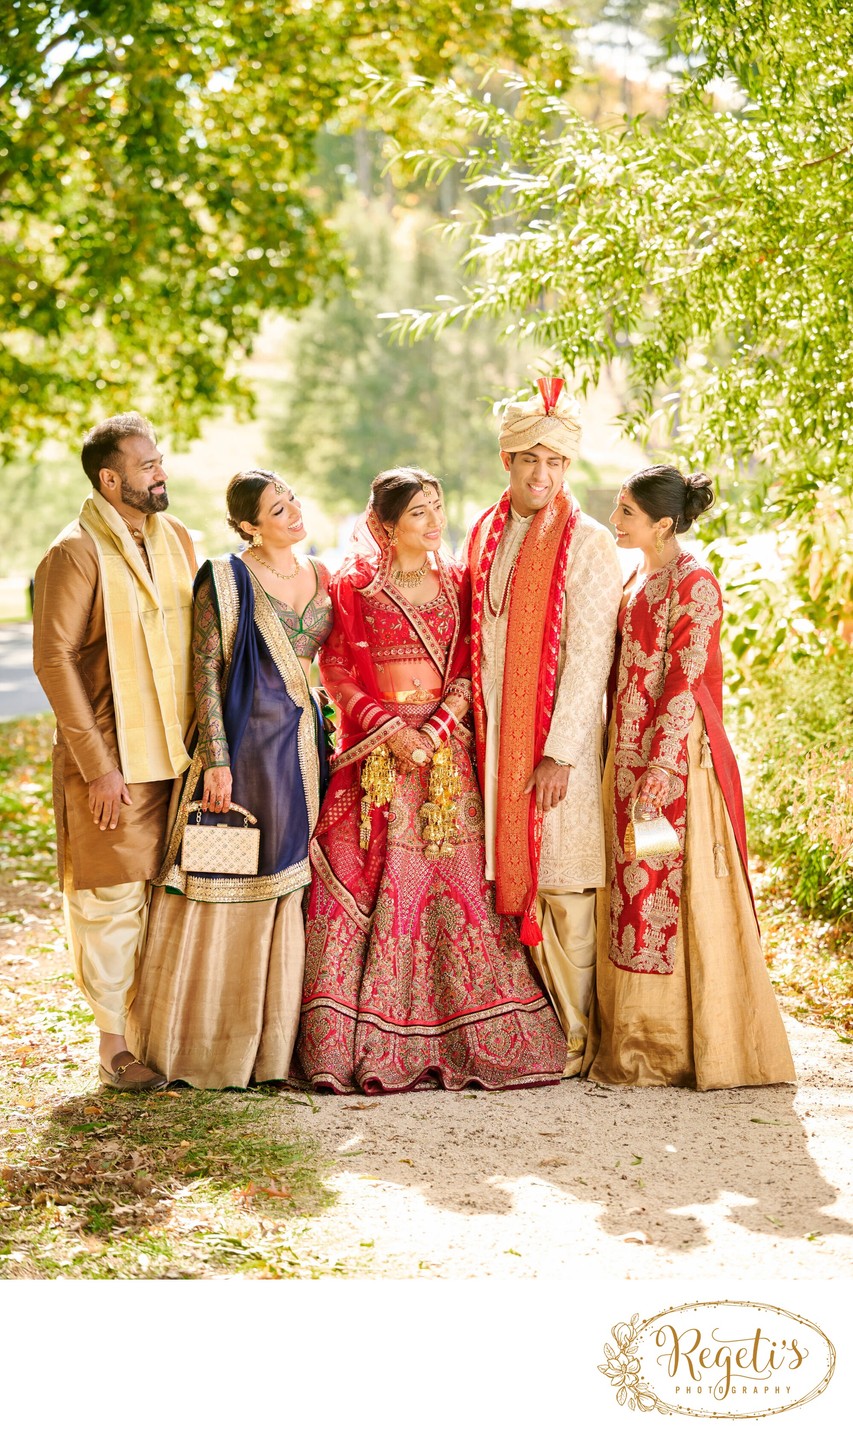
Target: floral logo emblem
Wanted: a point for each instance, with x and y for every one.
(623, 1369)
(718, 1359)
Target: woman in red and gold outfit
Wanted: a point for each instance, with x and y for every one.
(412, 980)
(683, 994)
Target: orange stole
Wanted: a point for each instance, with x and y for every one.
(527, 703)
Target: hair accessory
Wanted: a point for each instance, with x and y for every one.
(550, 389)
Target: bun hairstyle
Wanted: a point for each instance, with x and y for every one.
(243, 497)
(665, 493)
(391, 491)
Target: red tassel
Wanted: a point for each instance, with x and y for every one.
(531, 933)
(550, 389)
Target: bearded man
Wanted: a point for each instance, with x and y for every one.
(111, 648)
(546, 585)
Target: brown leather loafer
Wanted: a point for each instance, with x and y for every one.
(146, 1081)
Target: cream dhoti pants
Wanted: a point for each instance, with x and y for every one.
(106, 935)
(566, 962)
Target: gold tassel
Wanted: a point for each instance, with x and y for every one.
(438, 814)
(377, 787)
(706, 761)
(721, 868)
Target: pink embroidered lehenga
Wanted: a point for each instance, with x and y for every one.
(412, 979)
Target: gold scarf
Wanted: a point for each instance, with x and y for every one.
(149, 626)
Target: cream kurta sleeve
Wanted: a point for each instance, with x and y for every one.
(593, 594)
(573, 832)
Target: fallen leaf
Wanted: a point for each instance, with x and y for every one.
(639, 1238)
(363, 1106)
(92, 1111)
(552, 1162)
(775, 1221)
(406, 1160)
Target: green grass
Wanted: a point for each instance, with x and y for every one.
(28, 840)
(97, 1184)
(181, 1184)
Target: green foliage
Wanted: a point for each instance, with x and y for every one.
(26, 800)
(708, 247)
(797, 730)
(353, 408)
(156, 192)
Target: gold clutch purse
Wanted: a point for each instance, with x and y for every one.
(219, 847)
(650, 837)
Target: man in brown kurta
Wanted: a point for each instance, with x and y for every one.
(111, 787)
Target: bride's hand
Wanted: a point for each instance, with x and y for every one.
(651, 792)
(404, 744)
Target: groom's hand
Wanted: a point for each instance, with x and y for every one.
(551, 781)
(106, 796)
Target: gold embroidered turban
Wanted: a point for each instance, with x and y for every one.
(550, 419)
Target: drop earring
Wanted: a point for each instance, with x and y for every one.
(257, 541)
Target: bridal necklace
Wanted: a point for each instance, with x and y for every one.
(279, 575)
(410, 578)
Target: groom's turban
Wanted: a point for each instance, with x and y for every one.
(549, 419)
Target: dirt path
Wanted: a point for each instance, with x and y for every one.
(574, 1180)
(586, 1182)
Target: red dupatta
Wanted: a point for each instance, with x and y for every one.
(349, 673)
(534, 624)
(364, 721)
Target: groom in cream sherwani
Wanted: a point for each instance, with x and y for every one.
(546, 583)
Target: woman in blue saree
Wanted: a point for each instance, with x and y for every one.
(219, 991)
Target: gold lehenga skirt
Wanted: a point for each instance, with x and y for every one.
(220, 988)
(714, 1022)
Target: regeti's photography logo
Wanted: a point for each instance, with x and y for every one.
(718, 1359)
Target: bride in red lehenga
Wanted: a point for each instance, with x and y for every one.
(411, 980)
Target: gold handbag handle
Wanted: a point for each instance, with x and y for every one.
(235, 808)
(659, 813)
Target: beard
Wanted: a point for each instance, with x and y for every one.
(142, 499)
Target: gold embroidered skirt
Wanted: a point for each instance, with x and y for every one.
(219, 990)
(714, 1022)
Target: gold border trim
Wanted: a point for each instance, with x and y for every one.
(425, 1030)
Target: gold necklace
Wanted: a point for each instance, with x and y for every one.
(279, 575)
(410, 578)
